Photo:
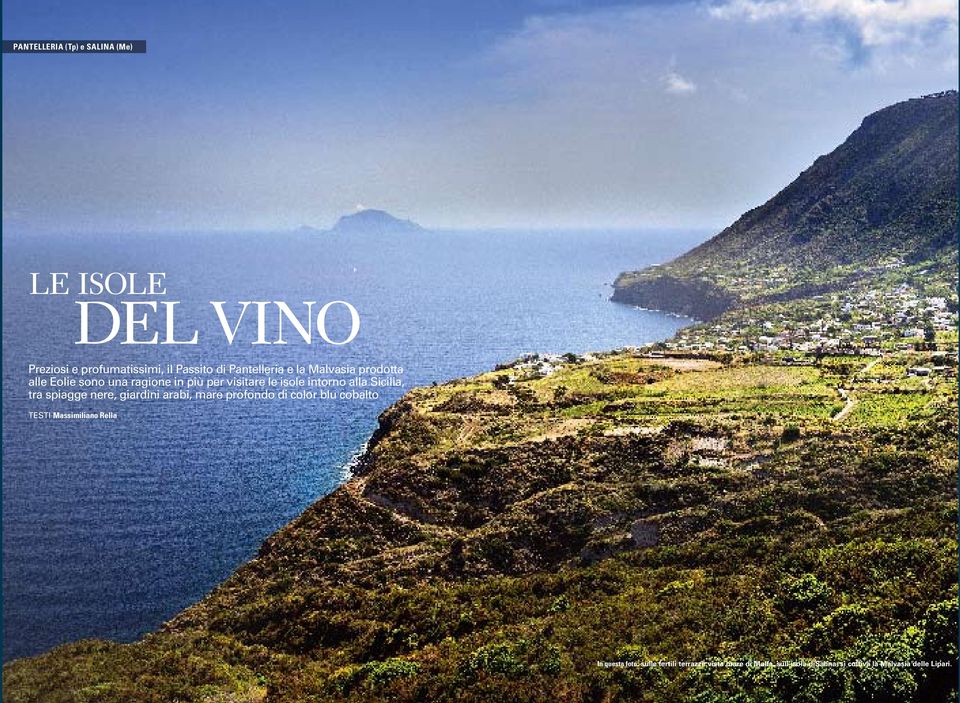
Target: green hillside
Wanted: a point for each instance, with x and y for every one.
(884, 198)
(507, 532)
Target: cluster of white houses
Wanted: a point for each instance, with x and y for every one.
(861, 322)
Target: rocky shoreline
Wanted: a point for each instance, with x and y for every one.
(694, 298)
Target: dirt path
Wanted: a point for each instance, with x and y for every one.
(848, 395)
(866, 369)
(848, 406)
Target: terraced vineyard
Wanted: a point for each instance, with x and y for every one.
(509, 531)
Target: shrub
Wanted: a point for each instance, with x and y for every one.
(791, 433)
(499, 658)
(806, 591)
(551, 662)
(940, 631)
(375, 674)
(383, 672)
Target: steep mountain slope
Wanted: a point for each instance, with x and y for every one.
(887, 195)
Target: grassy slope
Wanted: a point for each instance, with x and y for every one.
(508, 531)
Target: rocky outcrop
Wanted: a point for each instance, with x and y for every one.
(684, 296)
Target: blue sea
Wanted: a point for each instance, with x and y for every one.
(111, 527)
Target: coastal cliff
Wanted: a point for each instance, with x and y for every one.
(696, 298)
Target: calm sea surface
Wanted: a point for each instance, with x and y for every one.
(111, 527)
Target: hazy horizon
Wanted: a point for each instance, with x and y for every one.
(309, 229)
(539, 114)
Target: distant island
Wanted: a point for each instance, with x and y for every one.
(368, 221)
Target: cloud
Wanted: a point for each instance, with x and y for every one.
(664, 115)
(863, 25)
(678, 85)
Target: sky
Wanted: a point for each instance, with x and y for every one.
(478, 113)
